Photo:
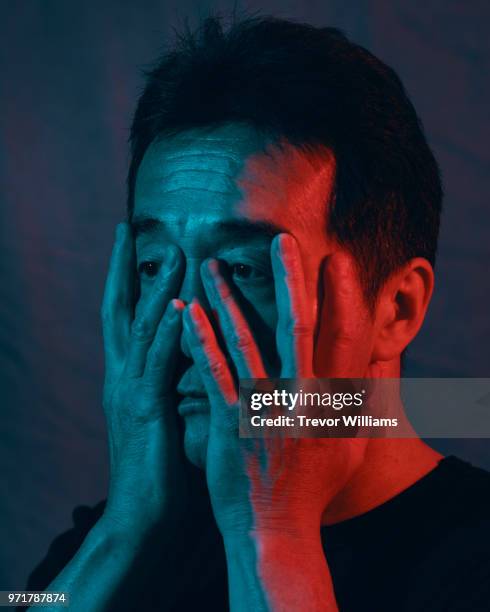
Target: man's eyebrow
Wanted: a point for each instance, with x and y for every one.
(145, 225)
(237, 229)
(244, 229)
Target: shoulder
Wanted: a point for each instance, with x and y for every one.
(454, 572)
(455, 575)
(64, 546)
(466, 487)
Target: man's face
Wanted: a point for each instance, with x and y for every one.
(223, 193)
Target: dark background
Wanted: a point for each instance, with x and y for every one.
(70, 74)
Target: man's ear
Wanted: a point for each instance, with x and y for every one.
(401, 307)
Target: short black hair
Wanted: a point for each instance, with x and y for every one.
(309, 86)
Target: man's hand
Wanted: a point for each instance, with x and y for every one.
(273, 489)
(146, 459)
(149, 482)
(265, 483)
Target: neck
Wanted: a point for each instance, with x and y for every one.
(390, 466)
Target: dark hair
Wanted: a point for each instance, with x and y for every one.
(310, 86)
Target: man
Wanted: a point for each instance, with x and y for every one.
(283, 218)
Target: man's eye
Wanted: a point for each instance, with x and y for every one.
(148, 269)
(242, 272)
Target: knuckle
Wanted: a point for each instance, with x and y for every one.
(200, 338)
(161, 287)
(148, 389)
(341, 337)
(294, 327)
(215, 369)
(243, 340)
(225, 292)
(141, 329)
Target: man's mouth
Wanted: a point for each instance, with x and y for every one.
(194, 397)
(193, 404)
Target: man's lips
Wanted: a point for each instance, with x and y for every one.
(194, 397)
(193, 404)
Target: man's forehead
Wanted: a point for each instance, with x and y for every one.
(233, 167)
(202, 158)
(165, 170)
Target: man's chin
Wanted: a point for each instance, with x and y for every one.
(196, 433)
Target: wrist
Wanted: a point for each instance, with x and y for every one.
(138, 504)
(269, 525)
(135, 524)
(117, 528)
(266, 539)
(280, 567)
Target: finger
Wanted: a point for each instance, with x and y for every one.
(209, 358)
(117, 303)
(150, 311)
(295, 325)
(343, 318)
(160, 364)
(236, 331)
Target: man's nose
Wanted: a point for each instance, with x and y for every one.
(192, 288)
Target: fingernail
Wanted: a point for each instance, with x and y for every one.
(177, 305)
(174, 309)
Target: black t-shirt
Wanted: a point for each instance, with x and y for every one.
(427, 549)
